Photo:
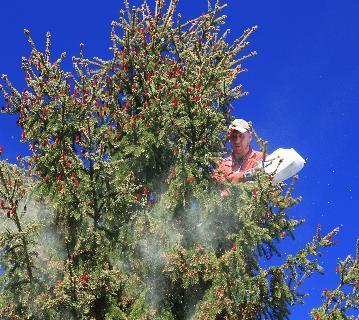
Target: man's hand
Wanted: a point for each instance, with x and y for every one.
(224, 193)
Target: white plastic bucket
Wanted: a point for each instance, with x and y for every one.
(285, 163)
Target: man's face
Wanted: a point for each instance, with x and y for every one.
(240, 141)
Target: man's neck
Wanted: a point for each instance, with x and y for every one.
(239, 155)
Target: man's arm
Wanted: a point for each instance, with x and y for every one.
(219, 173)
(242, 176)
(235, 177)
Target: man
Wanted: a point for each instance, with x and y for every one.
(240, 166)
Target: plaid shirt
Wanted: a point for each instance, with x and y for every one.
(229, 170)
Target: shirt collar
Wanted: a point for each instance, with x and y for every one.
(248, 155)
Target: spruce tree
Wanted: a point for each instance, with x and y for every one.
(342, 303)
(115, 214)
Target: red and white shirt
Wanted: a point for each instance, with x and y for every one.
(233, 171)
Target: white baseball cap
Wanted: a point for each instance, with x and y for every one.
(239, 125)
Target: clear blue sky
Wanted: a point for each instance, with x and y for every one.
(304, 93)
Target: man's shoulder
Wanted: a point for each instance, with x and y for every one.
(258, 155)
